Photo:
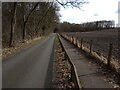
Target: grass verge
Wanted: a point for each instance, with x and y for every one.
(7, 52)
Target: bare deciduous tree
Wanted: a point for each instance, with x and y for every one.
(25, 20)
(20, 19)
(13, 23)
(72, 3)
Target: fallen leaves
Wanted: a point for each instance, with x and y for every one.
(12, 50)
(63, 70)
(108, 75)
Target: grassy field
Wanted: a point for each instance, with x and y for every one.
(101, 41)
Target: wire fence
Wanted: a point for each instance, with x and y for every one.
(102, 48)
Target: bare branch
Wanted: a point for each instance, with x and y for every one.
(40, 21)
(25, 22)
(72, 3)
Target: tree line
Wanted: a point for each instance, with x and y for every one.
(27, 20)
(88, 26)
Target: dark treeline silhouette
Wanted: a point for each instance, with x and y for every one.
(26, 20)
(89, 26)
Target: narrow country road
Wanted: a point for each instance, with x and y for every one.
(31, 68)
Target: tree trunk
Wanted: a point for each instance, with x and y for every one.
(13, 23)
(25, 21)
(24, 31)
(41, 19)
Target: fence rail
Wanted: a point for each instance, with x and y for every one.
(109, 61)
(74, 76)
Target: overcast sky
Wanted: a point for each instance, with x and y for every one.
(95, 10)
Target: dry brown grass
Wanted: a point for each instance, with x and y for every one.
(6, 52)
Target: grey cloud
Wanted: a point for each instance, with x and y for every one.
(95, 14)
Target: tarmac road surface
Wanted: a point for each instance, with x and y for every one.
(30, 68)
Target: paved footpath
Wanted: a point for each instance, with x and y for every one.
(30, 68)
(88, 76)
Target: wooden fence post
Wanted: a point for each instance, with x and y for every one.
(91, 46)
(81, 43)
(76, 40)
(109, 55)
(72, 39)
